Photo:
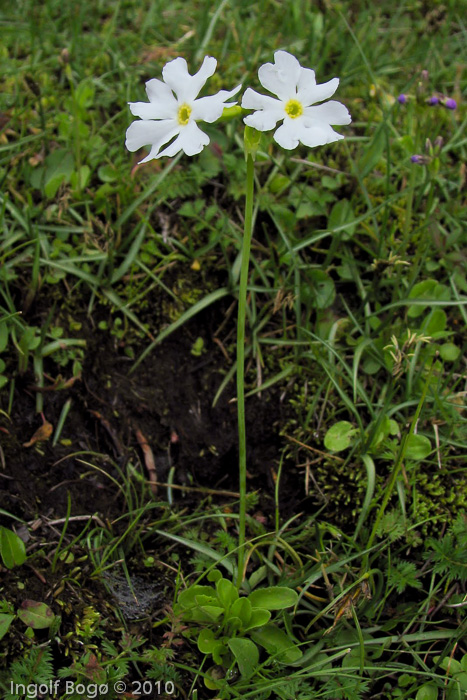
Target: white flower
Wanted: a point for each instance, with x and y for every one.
(173, 110)
(297, 90)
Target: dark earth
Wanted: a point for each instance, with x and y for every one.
(167, 400)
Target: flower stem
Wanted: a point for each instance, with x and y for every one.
(242, 295)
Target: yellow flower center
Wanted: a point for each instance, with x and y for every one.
(294, 109)
(183, 115)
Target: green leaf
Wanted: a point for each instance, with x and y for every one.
(214, 575)
(36, 615)
(84, 94)
(261, 573)
(259, 617)
(189, 598)
(218, 653)
(428, 289)
(464, 663)
(5, 622)
(454, 691)
(339, 436)
(79, 180)
(374, 152)
(3, 336)
(320, 291)
(342, 216)
(207, 641)
(277, 643)
(12, 549)
(449, 352)
(233, 624)
(246, 655)
(29, 340)
(435, 323)
(212, 611)
(192, 209)
(418, 447)
(428, 691)
(462, 679)
(241, 608)
(226, 592)
(107, 173)
(273, 598)
(448, 664)
(60, 166)
(381, 433)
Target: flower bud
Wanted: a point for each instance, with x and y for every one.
(450, 103)
(65, 56)
(402, 99)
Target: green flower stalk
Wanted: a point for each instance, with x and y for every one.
(252, 138)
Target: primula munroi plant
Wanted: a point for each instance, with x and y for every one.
(172, 113)
(297, 91)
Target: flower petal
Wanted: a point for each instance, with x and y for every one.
(157, 90)
(143, 133)
(264, 120)
(155, 110)
(309, 93)
(306, 80)
(255, 100)
(281, 77)
(270, 110)
(319, 135)
(191, 141)
(209, 109)
(184, 85)
(328, 113)
(295, 131)
(287, 134)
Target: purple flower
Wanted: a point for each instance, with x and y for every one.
(433, 100)
(402, 99)
(450, 103)
(419, 160)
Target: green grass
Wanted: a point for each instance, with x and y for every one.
(356, 317)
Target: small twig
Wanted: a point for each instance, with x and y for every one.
(319, 166)
(313, 449)
(73, 518)
(223, 350)
(148, 459)
(199, 489)
(117, 444)
(438, 452)
(38, 574)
